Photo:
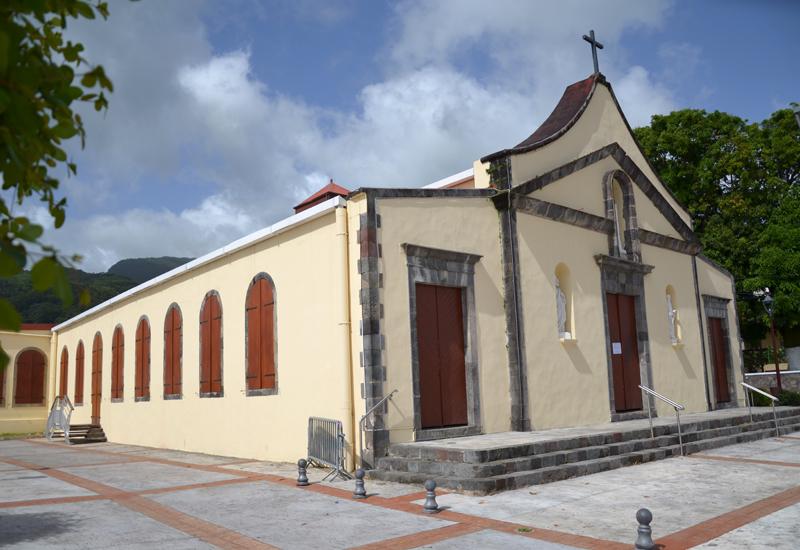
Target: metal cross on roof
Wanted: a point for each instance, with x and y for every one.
(595, 46)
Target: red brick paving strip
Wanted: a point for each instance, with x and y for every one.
(748, 460)
(45, 501)
(415, 540)
(718, 526)
(203, 530)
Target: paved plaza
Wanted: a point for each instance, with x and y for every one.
(122, 496)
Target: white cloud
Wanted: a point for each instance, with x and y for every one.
(185, 118)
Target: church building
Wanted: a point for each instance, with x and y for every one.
(537, 289)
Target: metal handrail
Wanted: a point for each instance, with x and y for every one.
(363, 419)
(677, 406)
(747, 389)
(771, 372)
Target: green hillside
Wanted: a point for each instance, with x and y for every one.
(45, 307)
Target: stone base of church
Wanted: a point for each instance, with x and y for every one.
(509, 460)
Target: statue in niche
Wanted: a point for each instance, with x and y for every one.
(672, 315)
(561, 311)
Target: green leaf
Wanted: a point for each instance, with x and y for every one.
(9, 317)
(85, 297)
(8, 265)
(30, 232)
(44, 274)
(62, 288)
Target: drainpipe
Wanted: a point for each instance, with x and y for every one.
(343, 297)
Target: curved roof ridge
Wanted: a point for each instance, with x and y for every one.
(570, 107)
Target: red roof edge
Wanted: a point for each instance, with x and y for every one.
(328, 192)
(568, 110)
(36, 326)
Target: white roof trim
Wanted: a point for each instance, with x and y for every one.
(449, 180)
(261, 235)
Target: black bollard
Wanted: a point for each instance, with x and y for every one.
(360, 491)
(430, 497)
(302, 478)
(644, 540)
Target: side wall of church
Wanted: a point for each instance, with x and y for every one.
(567, 381)
(313, 374)
(716, 283)
(24, 418)
(465, 225)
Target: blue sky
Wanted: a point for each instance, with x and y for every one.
(227, 113)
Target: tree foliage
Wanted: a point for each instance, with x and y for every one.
(43, 77)
(738, 180)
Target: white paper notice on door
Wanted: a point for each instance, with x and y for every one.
(616, 348)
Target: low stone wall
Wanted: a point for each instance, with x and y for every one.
(789, 381)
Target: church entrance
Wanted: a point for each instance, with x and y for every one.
(626, 375)
(97, 377)
(442, 368)
(720, 358)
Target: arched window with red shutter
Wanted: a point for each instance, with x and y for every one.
(29, 377)
(142, 374)
(260, 347)
(173, 352)
(64, 373)
(79, 357)
(117, 364)
(211, 346)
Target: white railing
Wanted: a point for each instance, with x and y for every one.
(748, 388)
(770, 372)
(362, 424)
(59, 417)
(677, 406)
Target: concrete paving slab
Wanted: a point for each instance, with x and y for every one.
(777, 530)
(680, 492)
(290, 518)
(139, 476)
(20, 484)
(775, 449)
(495, 540)
(48, 458)
(96, 524)
(182, 456)
(387, 489)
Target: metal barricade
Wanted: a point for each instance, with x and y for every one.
(326, 445)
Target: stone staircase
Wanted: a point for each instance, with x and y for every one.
(80, 434)
(482, 469)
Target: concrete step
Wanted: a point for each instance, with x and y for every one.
(559, 472)
(534, 462)
(568, 443)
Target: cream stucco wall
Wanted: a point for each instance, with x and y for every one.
(567, 382)
(25, 418)
(582, 190)
(468, 225)
(313, 362)
(713, 282)
(599, 125)
(677, 369)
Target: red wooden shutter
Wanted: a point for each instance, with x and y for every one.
(64, 372)
(253, 319)
(117, 363)
(172, 352)
(205, 346)
(79, 356)
(267, 313)
(37, 377)
(216, 345)
(97, 377)
(142, 373)
(260, 311)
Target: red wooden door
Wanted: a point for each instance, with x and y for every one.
(97, 377)
(29, 388)
(79, 374)
(624, 352)
(720, 355)
(142, 374)
(440, 344)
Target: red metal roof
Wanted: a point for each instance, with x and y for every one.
(329, 191)
(36, 326)
(571, 105)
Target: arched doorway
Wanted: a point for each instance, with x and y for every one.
(29, 379)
